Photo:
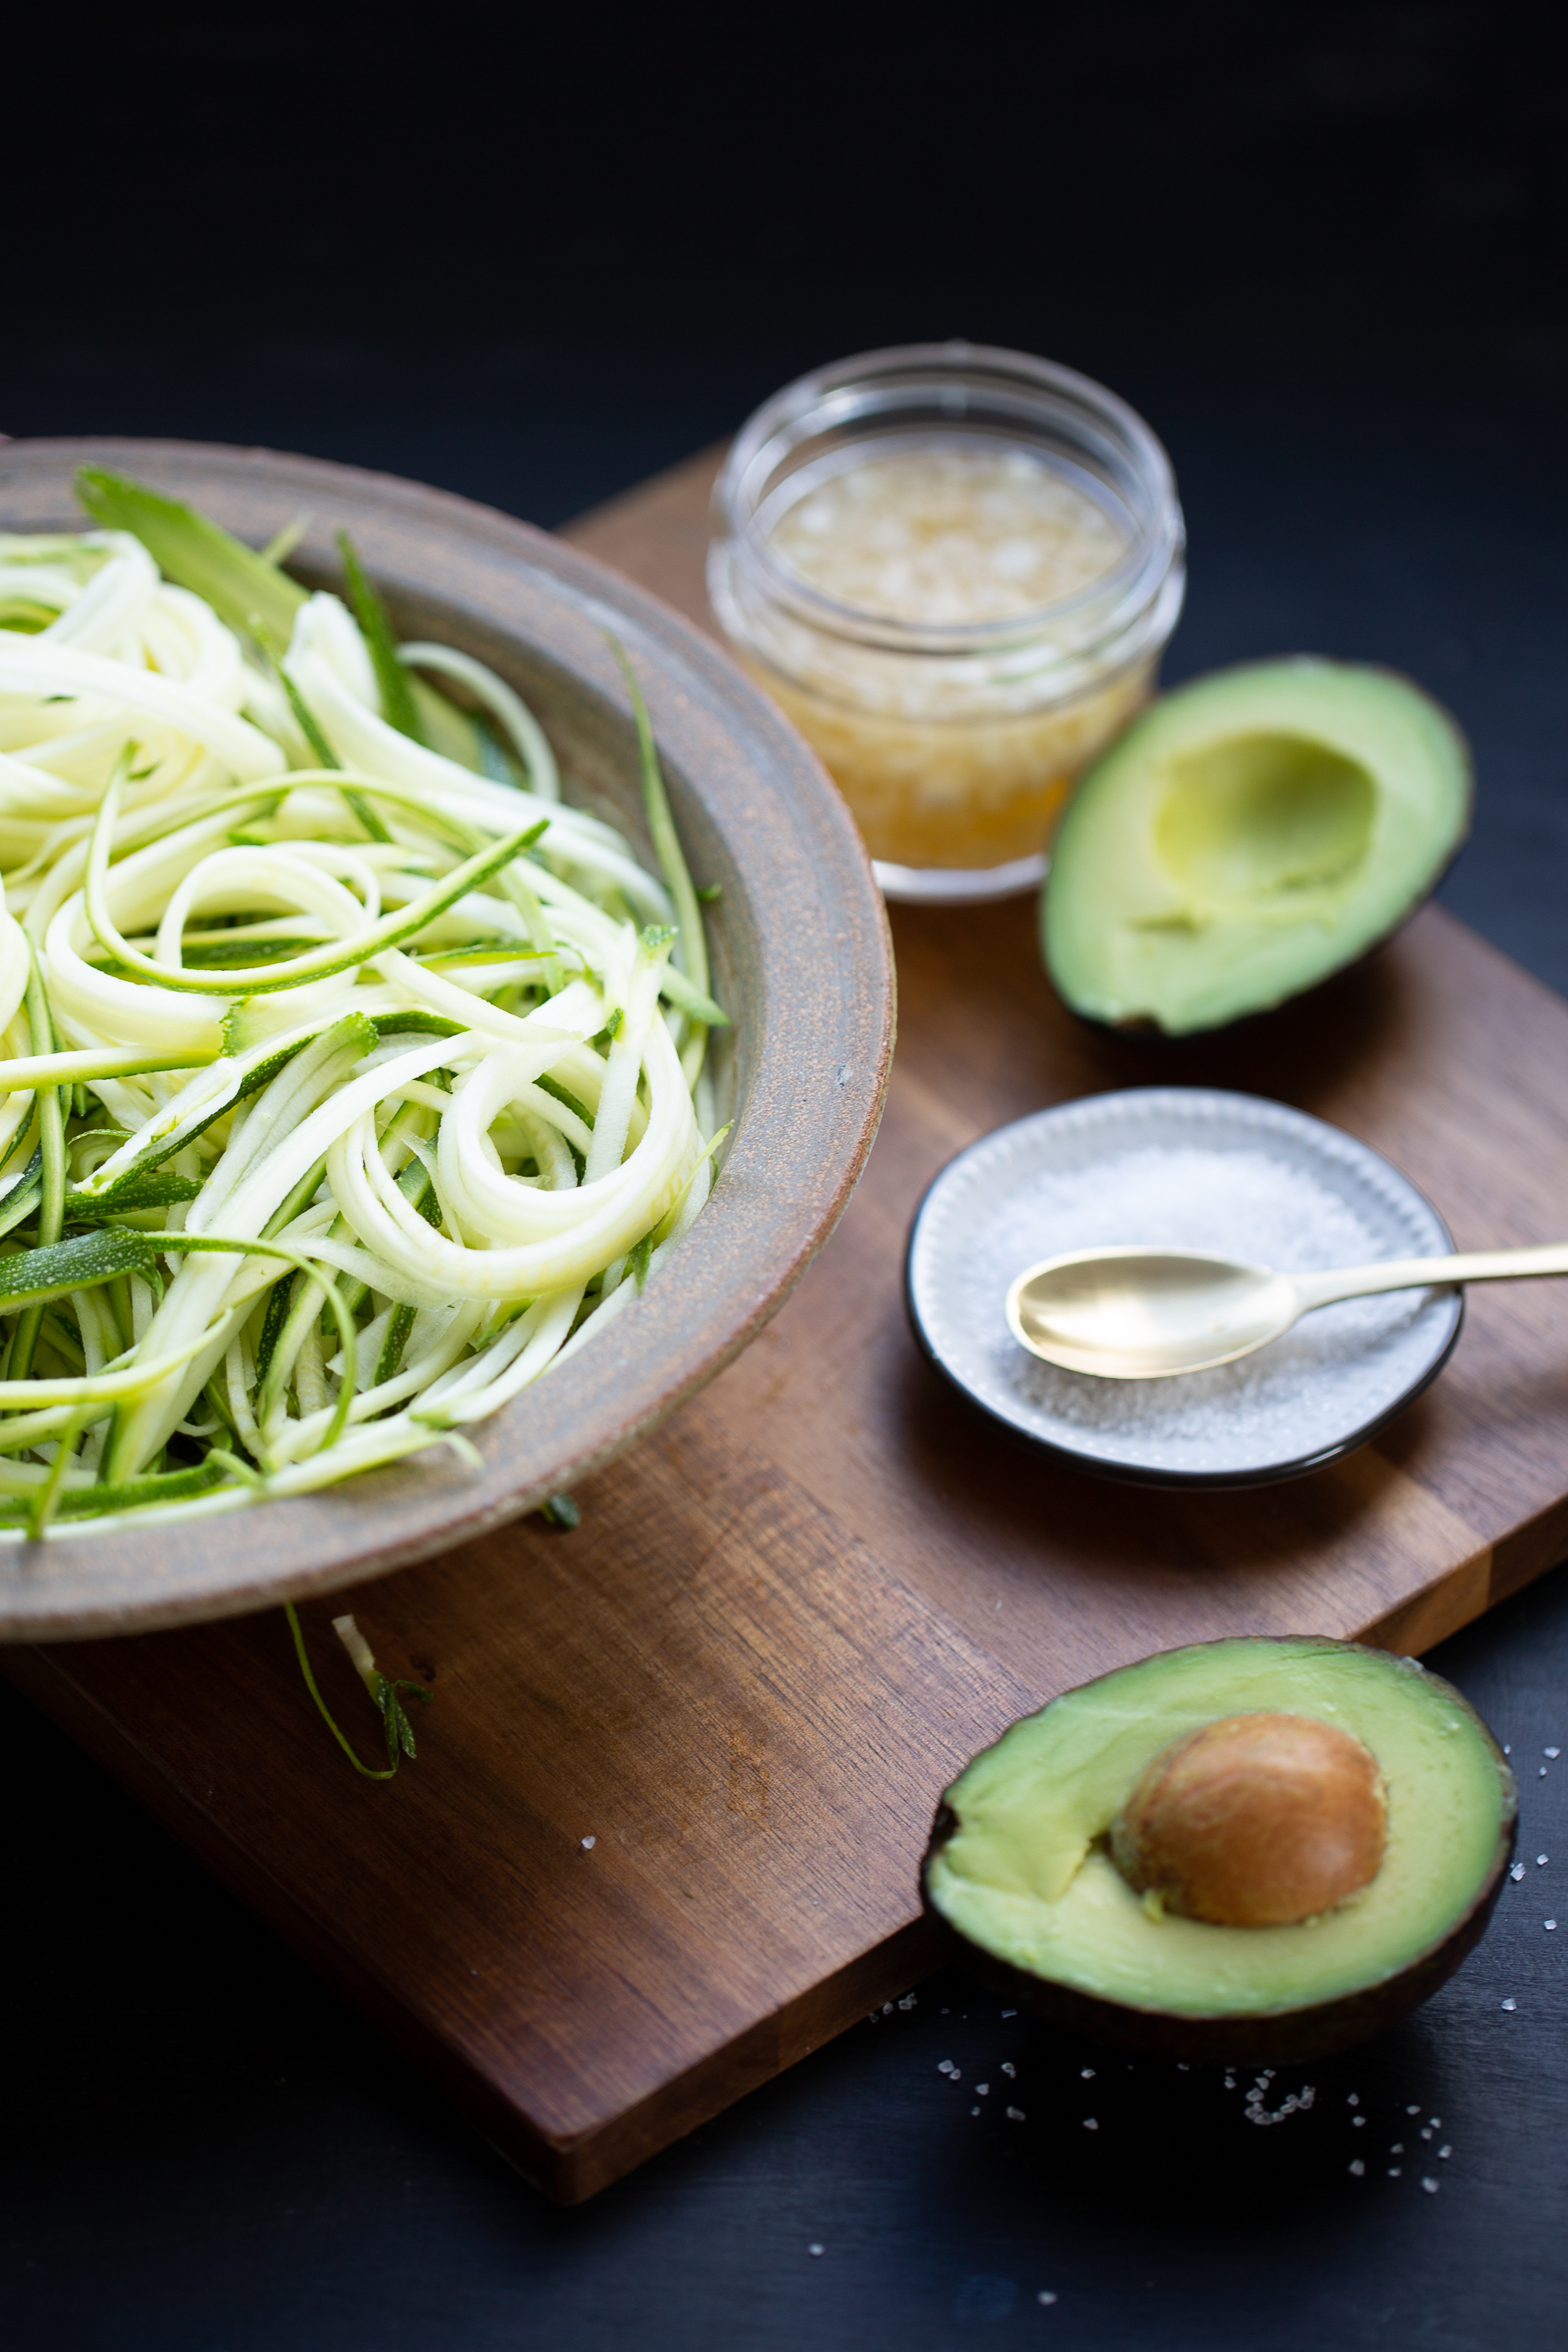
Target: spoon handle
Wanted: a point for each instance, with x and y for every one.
(1417, 1272)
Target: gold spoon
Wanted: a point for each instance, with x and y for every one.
(1139, 1314)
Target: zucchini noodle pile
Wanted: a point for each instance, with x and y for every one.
(351, 1079)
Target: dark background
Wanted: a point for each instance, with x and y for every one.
(533, 260)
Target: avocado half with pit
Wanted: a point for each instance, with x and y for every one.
(1252, 833)
(1256, 1849)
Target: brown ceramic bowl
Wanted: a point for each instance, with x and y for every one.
(801, 960)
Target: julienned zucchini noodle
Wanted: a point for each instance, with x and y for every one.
(349, 1078)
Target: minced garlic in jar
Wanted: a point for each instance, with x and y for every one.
(948, 535)
(956, 619)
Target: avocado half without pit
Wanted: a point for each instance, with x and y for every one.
(1247, 1850)
(1252, 833)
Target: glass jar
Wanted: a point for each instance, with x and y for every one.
(955, 569)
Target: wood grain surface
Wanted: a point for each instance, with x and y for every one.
(789, 1616)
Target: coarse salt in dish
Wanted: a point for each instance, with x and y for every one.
(1184, 1168)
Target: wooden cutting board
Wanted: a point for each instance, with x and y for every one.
(662, 1834)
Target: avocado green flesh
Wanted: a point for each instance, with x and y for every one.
(1252, 833)
(1024, 1877)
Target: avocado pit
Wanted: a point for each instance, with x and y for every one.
(1254, 1821)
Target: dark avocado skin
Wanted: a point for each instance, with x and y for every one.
(1281, 2037)
(1145, 1028)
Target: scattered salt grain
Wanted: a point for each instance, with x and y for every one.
(1353, 2099)
(1395, 2172)
(1541, 1862)
(1517, 1872)
(1086, 2074)
(982, 2089)
(1549, 1925)
(1429, 2184)
(1045, 2295)
(1009, 2013)
(816, 2248)
(1296, 2103)
(1356, 2166)
(1553, 1752)
(1435, 2122)
(1016, 2115)
(1411, 2111)
(1089, 2122)
(1357, 2122)
(1540, 1772)
(1445, 2153)
(974, 2111)
(589, 1844)
(1506, 1748)
(945, 2066)
(907, 2002)
(1510, 2003)
(1008, 2068)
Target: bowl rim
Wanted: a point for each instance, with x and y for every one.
(801, 912)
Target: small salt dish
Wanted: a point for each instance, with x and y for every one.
(1185, 1168)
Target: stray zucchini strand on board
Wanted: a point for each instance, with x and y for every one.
(386, 1695)
(349, 1077)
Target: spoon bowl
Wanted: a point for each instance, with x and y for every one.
(1139, 1314)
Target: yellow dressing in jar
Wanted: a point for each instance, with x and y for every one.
(956, 582)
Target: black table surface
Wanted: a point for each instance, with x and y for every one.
(1323, 257)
